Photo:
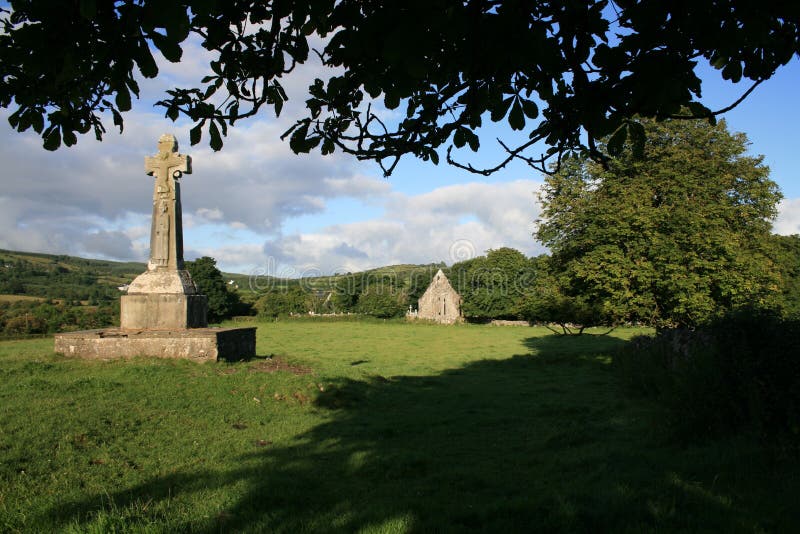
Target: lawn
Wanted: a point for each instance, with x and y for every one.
(367, 427)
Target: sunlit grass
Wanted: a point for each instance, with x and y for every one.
(372, 427)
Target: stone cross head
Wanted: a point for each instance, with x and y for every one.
(168, 164)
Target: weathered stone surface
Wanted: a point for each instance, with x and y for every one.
(440, 302)
(176, 282)
(166, 231)
(165, 297)
(163, 311)
(198, 344)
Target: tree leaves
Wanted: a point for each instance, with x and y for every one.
(732, 71)
(617, 140)
(663, 236)
(222, 303)
(52, 138)
(168, 46)
(500, 110)
(123, 99)
(196, 133)
(530, 108)
(516, 118)
(465, 136)
(144, 59)
(554, 69)
(216, 139)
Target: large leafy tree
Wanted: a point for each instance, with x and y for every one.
(495, 285)
(546, 301)
(786, 254)
(567, 72)
(222, 303)
(673, 238)
(382, 301)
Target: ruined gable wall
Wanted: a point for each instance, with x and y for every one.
(440, 302)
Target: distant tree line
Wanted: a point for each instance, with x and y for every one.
(505, 284)
(30, 317)
(48, 295)
(51, 279)
(383, 293)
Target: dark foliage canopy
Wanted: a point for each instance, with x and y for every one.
(566, 72)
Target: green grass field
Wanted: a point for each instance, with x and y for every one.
(367, 427)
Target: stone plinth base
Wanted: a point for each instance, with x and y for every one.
(178, 282)
(199, 344)
(162, 311)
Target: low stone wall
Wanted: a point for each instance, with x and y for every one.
(498, 322)
(199, 344)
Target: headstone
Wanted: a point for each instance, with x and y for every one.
(163, 314)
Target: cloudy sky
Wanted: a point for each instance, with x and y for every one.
(257, 207)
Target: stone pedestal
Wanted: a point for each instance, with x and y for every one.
(198, 344)
(162, 311)
(163, 299)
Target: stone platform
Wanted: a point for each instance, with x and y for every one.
(198, 344)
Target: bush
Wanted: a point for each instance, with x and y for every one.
(382, 301)
(222, 302)
(738, 375)
(282, 301)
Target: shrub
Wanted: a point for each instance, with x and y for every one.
(739, 374)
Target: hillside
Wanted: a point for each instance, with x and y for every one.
(52, 276)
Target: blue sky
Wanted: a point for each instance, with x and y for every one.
(257, 207)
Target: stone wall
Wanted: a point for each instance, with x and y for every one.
(501, 322)
(440, 302)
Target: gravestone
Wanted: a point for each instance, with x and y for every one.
(163, 314)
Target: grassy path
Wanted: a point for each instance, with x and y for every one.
(365, 427)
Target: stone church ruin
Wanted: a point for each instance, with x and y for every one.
(440, 302)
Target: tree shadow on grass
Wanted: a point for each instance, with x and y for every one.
(537, 442)
(574, 347)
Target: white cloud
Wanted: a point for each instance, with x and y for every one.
(788, 221)
(448, 224)
(210, 214)
(95, 199)
(256, 183)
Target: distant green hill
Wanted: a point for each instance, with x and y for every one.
(46, 293)
(59, 276)
(63, 277)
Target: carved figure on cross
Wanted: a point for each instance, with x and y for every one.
(166, 232)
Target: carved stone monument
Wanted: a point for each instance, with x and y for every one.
(166, 287)
(163, 313)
